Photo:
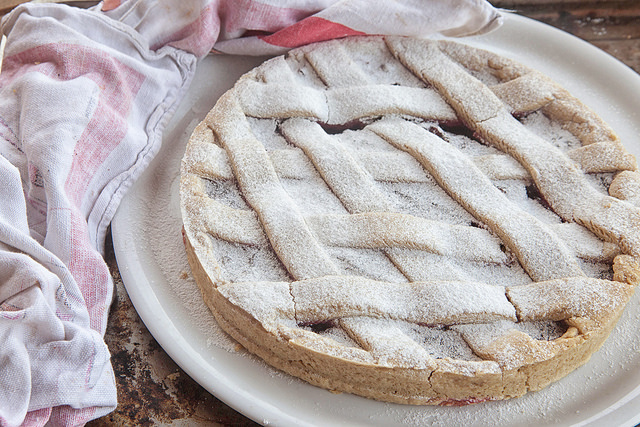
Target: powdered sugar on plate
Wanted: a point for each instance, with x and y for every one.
(163, 236)
(583, 394)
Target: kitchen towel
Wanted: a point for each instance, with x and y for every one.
(84, 97)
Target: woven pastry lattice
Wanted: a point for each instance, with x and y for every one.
(411, 204)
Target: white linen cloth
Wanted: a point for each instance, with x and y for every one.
(84, 98)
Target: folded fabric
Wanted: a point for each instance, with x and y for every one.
(270, 27)
(84, 97)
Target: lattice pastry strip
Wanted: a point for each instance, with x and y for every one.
(540, 252)
(388, 345)
(351, 183)
(388, 230)
(568, 110)
(392, 193)
(557, 178)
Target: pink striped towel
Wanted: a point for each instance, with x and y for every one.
(85, 95)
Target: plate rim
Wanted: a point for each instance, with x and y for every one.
(164, 330)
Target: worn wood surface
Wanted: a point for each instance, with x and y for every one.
(613, 26)
(153, 390)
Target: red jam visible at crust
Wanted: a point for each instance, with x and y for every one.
(464, 402)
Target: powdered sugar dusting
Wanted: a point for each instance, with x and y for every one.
(163, 227)
(425, 199)
(457, 305)
(550, 131)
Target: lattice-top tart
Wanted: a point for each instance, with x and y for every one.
(415, 221)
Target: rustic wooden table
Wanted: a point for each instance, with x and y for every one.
(153, 390)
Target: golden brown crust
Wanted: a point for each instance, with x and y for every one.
(299, 234)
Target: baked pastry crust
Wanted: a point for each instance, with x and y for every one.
(414, 221)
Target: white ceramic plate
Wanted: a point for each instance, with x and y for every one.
(148, 246)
